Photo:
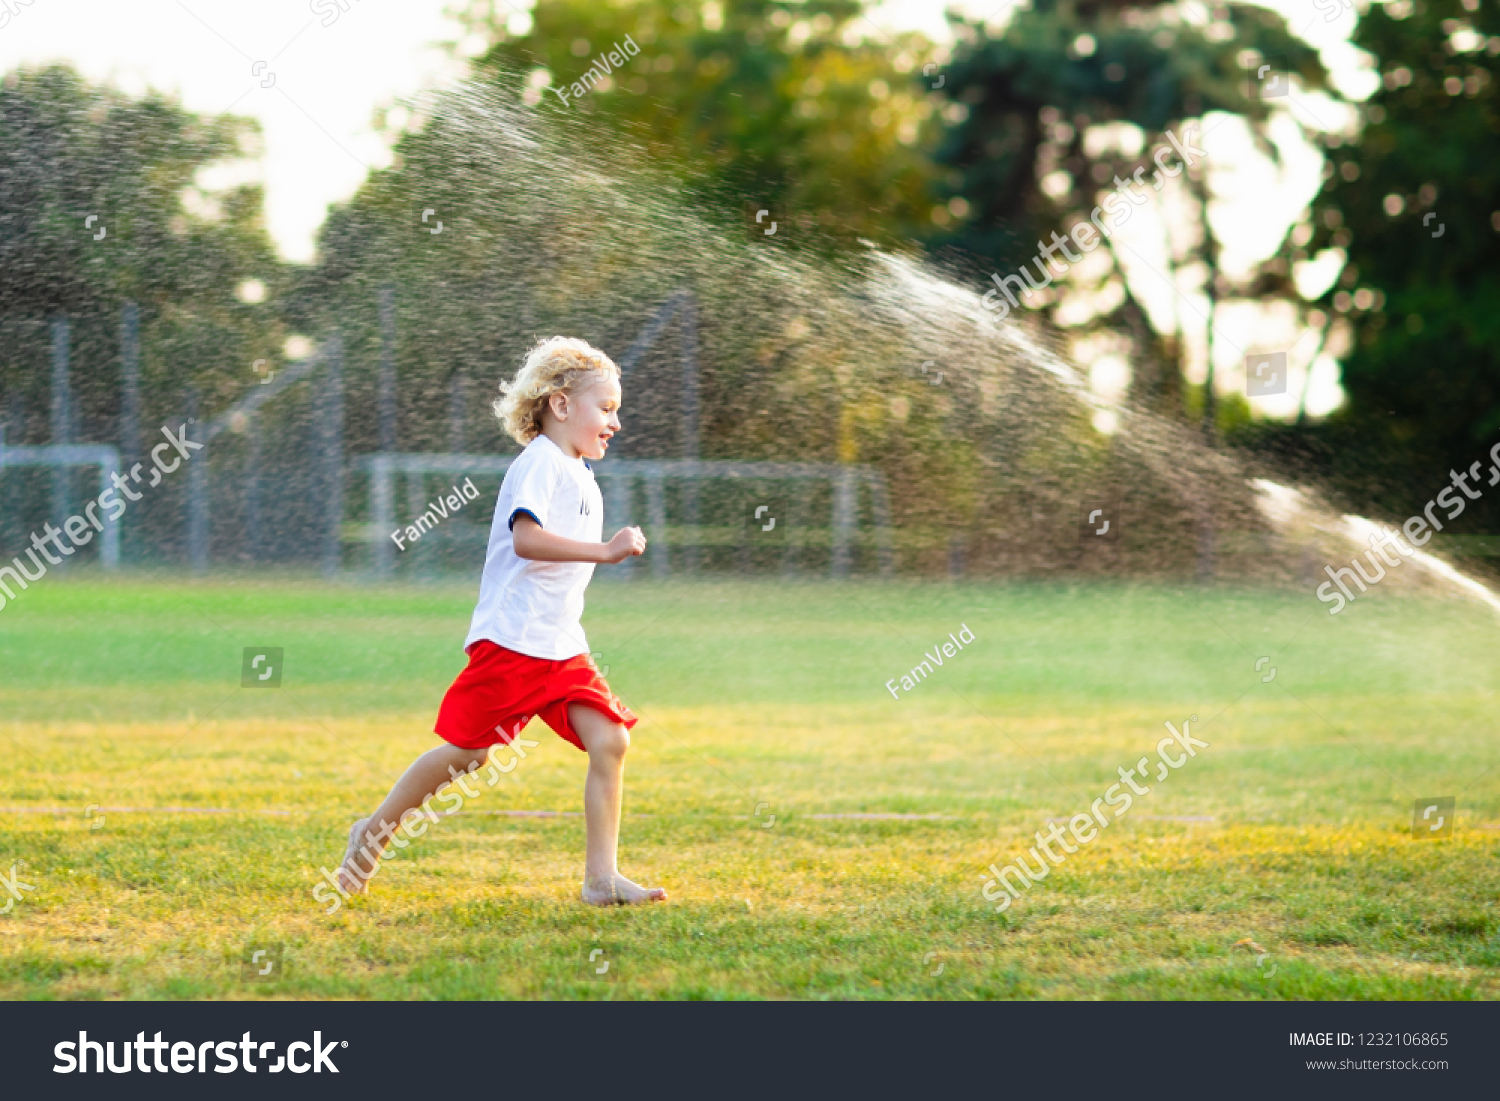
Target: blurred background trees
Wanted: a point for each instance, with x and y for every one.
(1070, 98)
(793, 105)
(1415, 205)
(100, 204)
(965, 154)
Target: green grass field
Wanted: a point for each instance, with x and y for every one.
(757, 699)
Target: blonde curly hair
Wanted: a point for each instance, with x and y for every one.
(559, 364)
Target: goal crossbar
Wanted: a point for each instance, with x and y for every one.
(619, 476)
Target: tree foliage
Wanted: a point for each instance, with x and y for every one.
(784, 103)
(93, 214)
(1032, 144)
(1416, 206)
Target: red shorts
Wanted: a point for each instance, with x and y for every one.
(501, 690)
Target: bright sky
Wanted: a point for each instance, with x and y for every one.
(314, 72)
(324, 81)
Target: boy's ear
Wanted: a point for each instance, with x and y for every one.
(557, 401)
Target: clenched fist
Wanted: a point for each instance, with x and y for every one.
(627, 542)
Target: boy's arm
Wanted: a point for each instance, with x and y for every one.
(533, 541)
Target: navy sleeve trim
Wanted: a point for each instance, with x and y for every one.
(522, 512)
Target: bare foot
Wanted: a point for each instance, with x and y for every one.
(618, 891)
(351, 876)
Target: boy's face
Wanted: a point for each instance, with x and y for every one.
(585, 419)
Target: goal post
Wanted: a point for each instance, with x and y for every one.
(62, 457)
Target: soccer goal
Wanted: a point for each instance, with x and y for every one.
(65, 457)
(619, 480)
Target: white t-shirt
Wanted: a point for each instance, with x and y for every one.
(534, 607)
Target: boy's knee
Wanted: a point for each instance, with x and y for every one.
(599, 733)
(612, 741)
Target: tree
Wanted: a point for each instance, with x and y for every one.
(1037, 133)
(764, 100)
(92, 214)
(1416, 206)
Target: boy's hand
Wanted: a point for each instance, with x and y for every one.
(627, 542)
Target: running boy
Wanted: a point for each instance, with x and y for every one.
(527, 652)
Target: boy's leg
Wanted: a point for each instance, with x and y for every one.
(606, 742)
(429, 774)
